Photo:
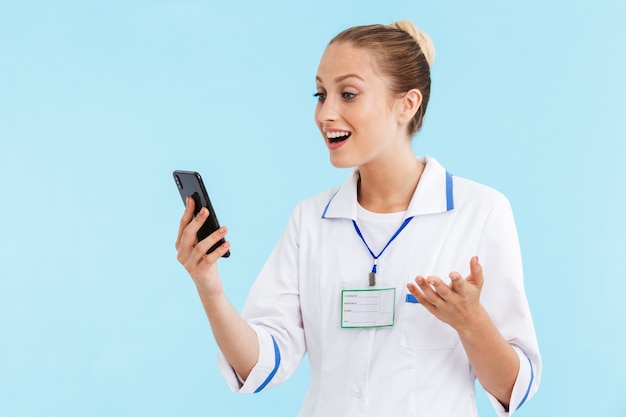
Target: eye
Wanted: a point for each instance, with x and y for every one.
(320, 96)
(348, 96)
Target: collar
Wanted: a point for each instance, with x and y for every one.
(433, 194)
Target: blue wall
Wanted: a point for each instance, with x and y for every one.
(100, 101)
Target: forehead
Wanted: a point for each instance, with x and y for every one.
(343, 58)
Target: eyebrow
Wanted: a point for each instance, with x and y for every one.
(342, 77)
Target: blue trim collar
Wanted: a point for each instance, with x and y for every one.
(433, 195)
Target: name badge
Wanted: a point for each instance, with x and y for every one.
(368, 308)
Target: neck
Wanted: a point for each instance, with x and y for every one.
(389, 187)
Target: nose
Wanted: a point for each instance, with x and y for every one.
(326, 111)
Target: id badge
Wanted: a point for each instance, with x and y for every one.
(368, 308)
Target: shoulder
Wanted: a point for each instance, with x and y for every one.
(472, 190)
(473, 197)
(459, 192)
(307, 214)
(316, 205)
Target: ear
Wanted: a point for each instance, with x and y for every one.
(410, 102)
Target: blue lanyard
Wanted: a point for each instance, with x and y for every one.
(372, 275)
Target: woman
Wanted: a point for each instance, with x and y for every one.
(363, 278)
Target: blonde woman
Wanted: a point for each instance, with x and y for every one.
(403, 285)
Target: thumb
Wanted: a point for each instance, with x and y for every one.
(476, 275)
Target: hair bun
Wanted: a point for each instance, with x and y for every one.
(421, 37)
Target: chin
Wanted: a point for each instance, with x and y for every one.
(341, 162)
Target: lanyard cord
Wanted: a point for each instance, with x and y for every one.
(358, 231)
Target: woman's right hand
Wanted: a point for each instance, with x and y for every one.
(192, 253)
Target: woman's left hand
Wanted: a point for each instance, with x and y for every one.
(457, 304)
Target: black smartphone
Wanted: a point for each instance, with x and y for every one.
(190, 184)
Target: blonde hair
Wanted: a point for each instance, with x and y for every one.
(402, 53)
(421, 37)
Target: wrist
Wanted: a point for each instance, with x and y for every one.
(210, 295)
(475, 324)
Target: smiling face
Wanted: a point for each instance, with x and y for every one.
(359, 120)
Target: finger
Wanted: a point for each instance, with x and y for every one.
(415, 291)
(213, 257)
(476, 275)
(431, 295)
(195, 224)
(440, 287)
(207, 243)
(198, 255)
(185, 219)
(457, 283)
(189, 236)
(419, 295)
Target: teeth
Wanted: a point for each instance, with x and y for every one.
(334, 135)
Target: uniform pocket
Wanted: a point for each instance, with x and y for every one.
(422, 330)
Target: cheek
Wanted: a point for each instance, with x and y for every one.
(366, 113)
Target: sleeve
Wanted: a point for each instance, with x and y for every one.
(273, 310)
(505, 300)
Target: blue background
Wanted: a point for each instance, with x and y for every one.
(100, 101)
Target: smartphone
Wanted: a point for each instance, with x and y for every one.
(190, 184)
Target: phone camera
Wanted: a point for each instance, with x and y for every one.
(178, 182)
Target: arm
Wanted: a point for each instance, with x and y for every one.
(235, 338)
(498, 306)
(493, 360)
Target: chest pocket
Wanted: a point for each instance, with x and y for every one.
(422, 330)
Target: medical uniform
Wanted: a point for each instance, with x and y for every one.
(416, 366)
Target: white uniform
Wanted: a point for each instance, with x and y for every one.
(417, 367)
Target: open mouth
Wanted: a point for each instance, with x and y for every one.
(336, 137)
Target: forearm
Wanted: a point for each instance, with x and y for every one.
(236, 339)
(493, 360)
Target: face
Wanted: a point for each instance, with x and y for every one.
(359, 120)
